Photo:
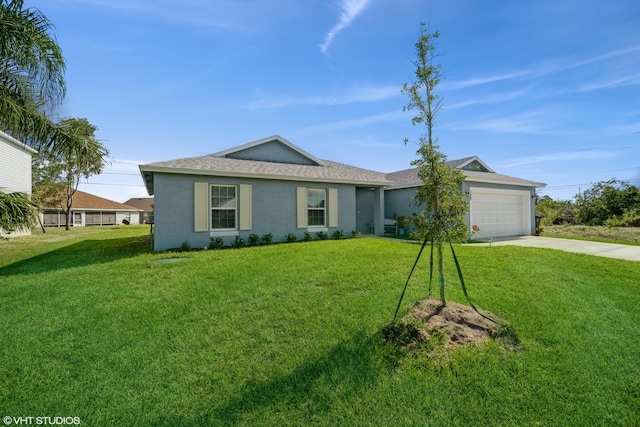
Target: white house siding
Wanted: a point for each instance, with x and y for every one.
(15, 170)
(15, 165)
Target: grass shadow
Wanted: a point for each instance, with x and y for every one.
(84, 253)
(314, 388)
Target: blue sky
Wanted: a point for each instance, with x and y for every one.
(544, 90)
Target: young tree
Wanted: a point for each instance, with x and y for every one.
(57, 174)
(445, 205)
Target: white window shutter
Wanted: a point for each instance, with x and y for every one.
(333, 207)
(200, 206)
(245, 207)
(302, 207)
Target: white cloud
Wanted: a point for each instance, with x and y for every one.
(222, 14)
(517, 162)
(350, 9)
(550, 67)
(489, 99)
(357, 123)
(612, 83)
(356, 94)
(476, 81)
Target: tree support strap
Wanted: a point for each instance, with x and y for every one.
(440, 282)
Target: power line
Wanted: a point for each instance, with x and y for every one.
(115, 185)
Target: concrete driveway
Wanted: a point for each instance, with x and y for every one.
(609, 250)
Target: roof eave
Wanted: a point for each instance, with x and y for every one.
(148, 172)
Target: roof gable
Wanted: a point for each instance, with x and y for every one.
(278, 159)
(274, 149)
(474, 164)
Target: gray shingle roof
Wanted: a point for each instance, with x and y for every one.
(214, 165)
(409, 177)
(220, 164)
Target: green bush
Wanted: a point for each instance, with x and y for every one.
(254, 239)
(291, 238)
(238, 242)
(216, 243)
(630, 218)
(267, 239)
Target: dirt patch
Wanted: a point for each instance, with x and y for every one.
(430, 327)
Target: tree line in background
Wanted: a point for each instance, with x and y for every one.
(612, 203)
(31, 86)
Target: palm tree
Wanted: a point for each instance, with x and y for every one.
(31, 76)
(16, 212)
(31, 84)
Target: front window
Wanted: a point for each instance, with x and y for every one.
(316, 204)
(223, 207)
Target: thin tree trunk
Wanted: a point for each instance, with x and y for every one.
(41, 224)
(441, 275)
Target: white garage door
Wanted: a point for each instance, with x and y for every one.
(500, 213)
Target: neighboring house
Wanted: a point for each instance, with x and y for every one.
(273, 186)
(267, 186)
(499, 205)
(145, 204)
(88, 209)
(15, 170)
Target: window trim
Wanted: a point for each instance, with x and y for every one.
(225, 231)
(323, 209)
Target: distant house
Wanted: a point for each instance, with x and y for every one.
(273, 186)
(145, 204)
(88, 210)
(499, 205)
(15, 171)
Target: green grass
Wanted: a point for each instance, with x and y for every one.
(289, 334)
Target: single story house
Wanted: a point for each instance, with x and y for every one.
(266, 186)
(145, 204)
(15, 171)
(273, 186)
(88, 209)
(499, 205)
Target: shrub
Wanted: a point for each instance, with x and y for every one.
(215, 243)
(267, 239)
(630, 218)
(291, 238)
(238, 243)
(185, 247)
(322, 235)
(338, 234)
(307, 237)
(355, 234)
(254, 239)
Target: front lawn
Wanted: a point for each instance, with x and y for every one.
(93, 326)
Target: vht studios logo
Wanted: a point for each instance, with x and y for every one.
(41, 421)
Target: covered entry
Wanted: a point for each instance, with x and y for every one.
(370, 210)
